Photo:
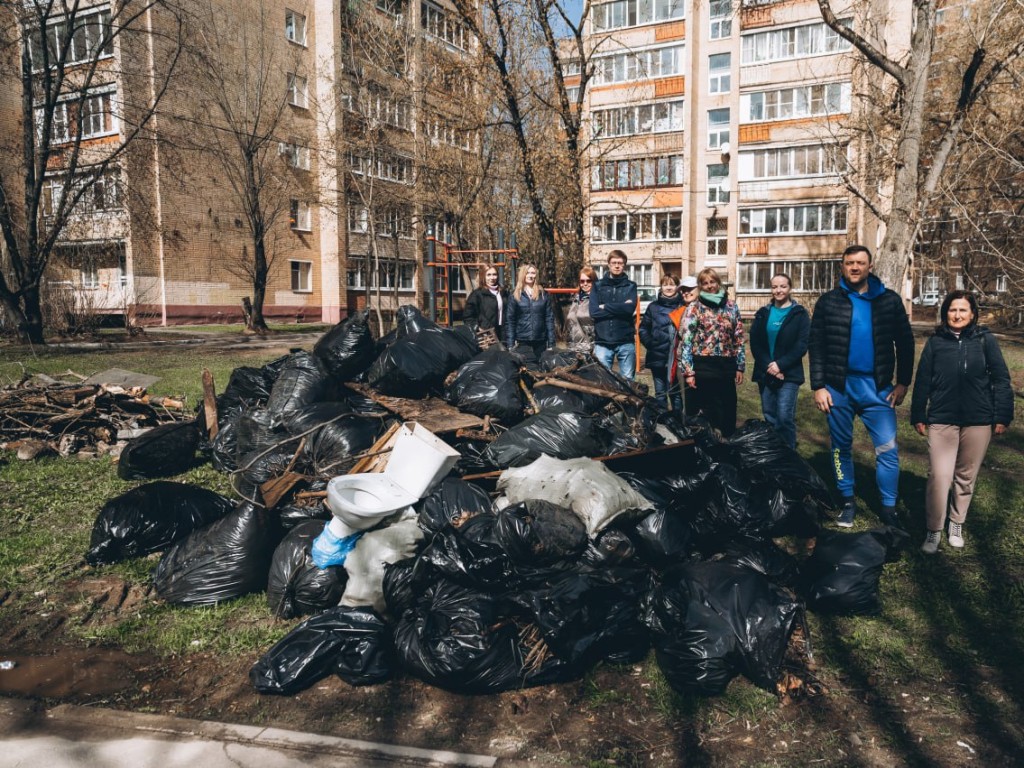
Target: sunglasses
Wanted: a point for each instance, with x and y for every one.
(584, 281)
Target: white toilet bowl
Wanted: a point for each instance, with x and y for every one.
(418, 461)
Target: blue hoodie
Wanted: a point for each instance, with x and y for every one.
(861, 360)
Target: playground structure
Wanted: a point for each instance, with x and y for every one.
(443, 257)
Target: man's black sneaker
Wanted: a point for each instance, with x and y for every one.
(846, 515)
(888, 517)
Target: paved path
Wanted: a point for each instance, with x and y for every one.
(88, 737)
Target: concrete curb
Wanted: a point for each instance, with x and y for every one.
(93, 720)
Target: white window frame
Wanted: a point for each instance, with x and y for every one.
(792, 162)
(301, 271)
(637, 173)
(295, 154)
(787, 43)
(442, 25)
(626, 66)
(386, 166)
(298, 91)
(807, 275)
(719, 78)
(60, 132)
(1002, 283)
(718, 184)
(294, 27)
(718, 132)
(790, 220)
(811, 100)
(638, 119)
(301, 216)
(660, 225)
(720, 19)
(717, 246)
(623, 14)
(92, 30)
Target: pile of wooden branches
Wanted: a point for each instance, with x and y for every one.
(40, 416)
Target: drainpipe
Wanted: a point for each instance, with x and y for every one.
(158, 202)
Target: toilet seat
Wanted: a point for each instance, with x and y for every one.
(370, 493)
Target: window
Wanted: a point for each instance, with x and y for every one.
(102, 194)
(626, 227)
(442, 25)
(637, 173)
(302, 276)
(382, 165)
(719, 73)
(358, 218)
(794, 219)
(572, 93)
(633, 13)
(89, 275)
(803, 101)
(571, 68)
(797, 162)
(301, 216)
(793, 42)
(627, 66)
(404, 273)
(639, 119)
(720, 13)
(439, 131)
(718, 183)
(718, 128)
(390, 7)
(294, 26)
(86, 35)
(811, 276)
(298, 95)
(718, 239)
(296, 155)
(92, 115)
(1002, 283)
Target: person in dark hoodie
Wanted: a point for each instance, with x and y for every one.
(487, 305)
(711, 353)
(962, 395)
(613, 303)
(658, 334)
(861, 336)
(778, 343)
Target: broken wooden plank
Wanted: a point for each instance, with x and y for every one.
(376, 458)
(431, 412)
(209, 403)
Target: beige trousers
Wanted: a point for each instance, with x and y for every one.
(955, 455)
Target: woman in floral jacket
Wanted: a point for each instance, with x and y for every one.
(711, 354)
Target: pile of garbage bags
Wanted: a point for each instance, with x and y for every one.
(560, 564)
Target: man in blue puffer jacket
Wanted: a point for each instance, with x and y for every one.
(860, 336)
(613, 307)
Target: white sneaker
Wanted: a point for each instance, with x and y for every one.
(931, 542)
(956, 535)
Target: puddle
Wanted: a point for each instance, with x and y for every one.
(70, 672)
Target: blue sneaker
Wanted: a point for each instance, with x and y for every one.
(846, 515)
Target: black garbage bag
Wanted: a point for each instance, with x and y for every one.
(551, 398)
(841, 575)
(295, 586)
(590, 616)
(224, 448)
(309, 417)
(334, 448)
(169, 449)
(537, 533)
(151, 518)
(451, 503)
(735, 509)
(710, 621)
(488, 385)
(228, 558)
(559, 435)
(257, 468)
(273, 369)
(464, 640)
(663, 537)
(799, 517)
(761, 453)
(400, 585)
(247, 388)
(764, 557)
(291, 515)
(302, 381)
(472, 456)
(611, 547)
(360, 403)
(348, 348)
(559, 358)
(416, 365)
(471, 555)
(408, 319)
(353, 643)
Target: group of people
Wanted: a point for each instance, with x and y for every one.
(861, 359)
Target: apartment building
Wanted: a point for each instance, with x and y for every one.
(307, 120)
(719, 136)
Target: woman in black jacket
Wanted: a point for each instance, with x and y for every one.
(487, 305)
(962, 395)
(778, 342)
(658, 335)
(531, 317)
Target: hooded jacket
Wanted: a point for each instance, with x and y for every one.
(614, 324)
(658, 330)
(579, 325)
(962, 381)
(829, 344)
(790, 344)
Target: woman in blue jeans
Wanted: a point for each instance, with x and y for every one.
(778, 343)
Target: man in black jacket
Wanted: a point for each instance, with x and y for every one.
(860, 336)
(613, 301)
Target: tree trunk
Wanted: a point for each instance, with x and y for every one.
(257, 324)
(28, 316)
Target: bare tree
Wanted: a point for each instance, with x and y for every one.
(922, 127)
(251, 79)
(76, 117)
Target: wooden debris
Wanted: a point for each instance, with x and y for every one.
(209, 403)
(376, 459)
(431, 412)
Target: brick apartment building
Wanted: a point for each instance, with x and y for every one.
(718, 131)
(355, 93)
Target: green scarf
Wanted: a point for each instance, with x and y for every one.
(713, 298)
